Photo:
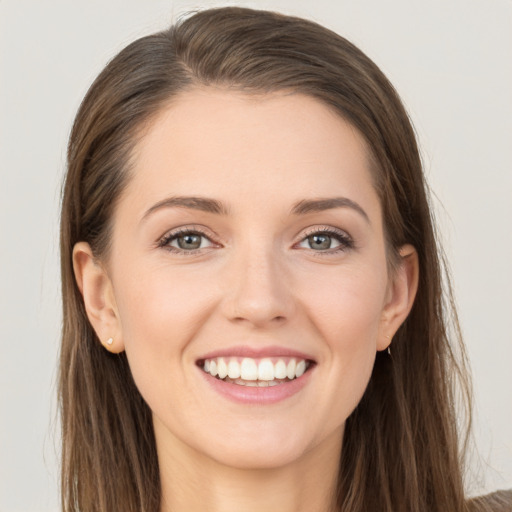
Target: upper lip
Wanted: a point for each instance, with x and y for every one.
(257, 352)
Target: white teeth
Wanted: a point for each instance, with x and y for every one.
(254, 383)
(290, 369)
(280, 370)
(249, 369)
(222, 368)
(233, 369)
(301, 368)
(256, 372)
(213, 368)
(265, 370)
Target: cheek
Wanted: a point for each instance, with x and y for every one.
(346, 313)
(347, 306)
(160, 303)
(160, 312)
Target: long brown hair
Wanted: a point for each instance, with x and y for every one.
(400, 449)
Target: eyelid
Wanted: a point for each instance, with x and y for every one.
(164, 240)
(346, 241)
(323, 228)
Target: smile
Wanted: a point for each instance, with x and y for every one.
(252, 372)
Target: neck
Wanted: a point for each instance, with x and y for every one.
(193, 482)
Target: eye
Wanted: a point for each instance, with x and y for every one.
(185, 241)
(327, 240)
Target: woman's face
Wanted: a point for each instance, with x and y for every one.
(250, 238)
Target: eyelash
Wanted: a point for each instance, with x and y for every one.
(345, 241)
(174, 235)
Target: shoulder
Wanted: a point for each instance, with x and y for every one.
(499, 501)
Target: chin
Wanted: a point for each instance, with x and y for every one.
(266, 447)
(257, 457)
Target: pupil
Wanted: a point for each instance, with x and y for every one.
(189, 241)
(320, 241)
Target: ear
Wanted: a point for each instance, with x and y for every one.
(100, 305)
(400, 297)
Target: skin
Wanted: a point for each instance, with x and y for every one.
(257, 280)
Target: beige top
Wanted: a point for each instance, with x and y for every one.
(499, 501)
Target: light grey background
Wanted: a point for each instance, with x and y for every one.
(451, 62)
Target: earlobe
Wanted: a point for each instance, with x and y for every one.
(402, 292)
(96, 289)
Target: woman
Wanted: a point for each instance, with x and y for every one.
(253, 310)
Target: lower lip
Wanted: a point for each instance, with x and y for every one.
(257, 395)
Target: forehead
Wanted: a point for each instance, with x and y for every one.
(232, 145)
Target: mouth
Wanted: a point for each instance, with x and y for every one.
(256, 372)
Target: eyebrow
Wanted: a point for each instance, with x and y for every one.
(217, 207)
(203, 204)
(329, 203)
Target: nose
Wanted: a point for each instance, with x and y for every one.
(259, 292)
